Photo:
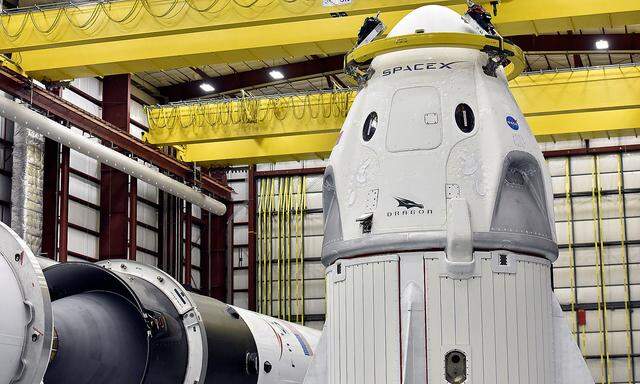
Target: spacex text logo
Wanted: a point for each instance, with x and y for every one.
(420, 67)
(410, 208)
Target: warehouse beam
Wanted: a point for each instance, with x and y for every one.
(627, 43)
(265, 150)
(558, 105)
(620, 43)
(184, 36)
(248, 118)
(579, 104)
(115, 227)
(131, 19)
(192, 41)
(251, 79)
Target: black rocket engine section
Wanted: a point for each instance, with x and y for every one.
(113, 329)
(105, 333)
(237, 362)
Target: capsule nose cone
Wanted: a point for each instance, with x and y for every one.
(431, 19)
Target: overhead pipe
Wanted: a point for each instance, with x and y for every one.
(26, 117)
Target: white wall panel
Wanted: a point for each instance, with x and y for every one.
(147, 239)
(83, 243)
(84, 189)
(83, 216)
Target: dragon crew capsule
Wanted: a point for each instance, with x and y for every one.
(439, 232)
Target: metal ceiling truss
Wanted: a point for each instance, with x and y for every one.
(250, 79)
(629, 43)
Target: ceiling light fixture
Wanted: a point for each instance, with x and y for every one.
(276, 75)
(207, 87)
(602, 44)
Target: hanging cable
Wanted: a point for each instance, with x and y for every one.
(270, 233)
(303, 211)
(602, 301)
(288, 248)
(70, 10)
(259, 247)
(298, 250)
(569, 219)
(625, 262)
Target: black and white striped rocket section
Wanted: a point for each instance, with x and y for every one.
(122, 322)
(439, 232)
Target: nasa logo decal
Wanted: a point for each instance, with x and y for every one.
(410, 208)
(513, 123)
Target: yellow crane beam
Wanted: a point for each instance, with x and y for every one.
(558, 106)
(263, 150)
(582, 103)
(141, 35)
(187, 37)
(248, 118)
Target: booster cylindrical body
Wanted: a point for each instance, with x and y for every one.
(439, 230)
(124, 322)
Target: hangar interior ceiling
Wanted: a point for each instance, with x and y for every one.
(270, 259)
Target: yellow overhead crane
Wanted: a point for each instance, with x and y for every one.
(131, 36)
(558, 105)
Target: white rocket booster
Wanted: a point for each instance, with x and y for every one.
(439, 228)
(123, 322)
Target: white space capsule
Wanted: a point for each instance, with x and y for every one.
(439, 228)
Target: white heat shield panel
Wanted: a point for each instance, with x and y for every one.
(500, 317)
(363, 324)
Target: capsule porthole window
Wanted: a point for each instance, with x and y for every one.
(370, 126)
(465, 118)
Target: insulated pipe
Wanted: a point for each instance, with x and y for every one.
(26, 117)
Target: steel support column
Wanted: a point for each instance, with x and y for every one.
(50, 199)
(221, 247)
(63, 247)
(188, 246)
(217, 265)
(114, 185)
(133, 218)
(252, 209)
(205, 254)
(168, 242)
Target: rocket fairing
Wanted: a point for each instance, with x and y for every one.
(439, 229)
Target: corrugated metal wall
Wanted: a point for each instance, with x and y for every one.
(597, 277)
(84, 188)
(294, 286)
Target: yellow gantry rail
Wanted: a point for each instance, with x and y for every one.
(102, 38)
(147, 35)
(590, 103)
(560, 105)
